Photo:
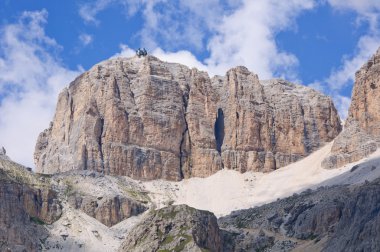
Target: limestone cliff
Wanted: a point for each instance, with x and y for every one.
(26, 203)
(149, 119)
(361, 135)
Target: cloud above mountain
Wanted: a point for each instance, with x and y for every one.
(30, 79)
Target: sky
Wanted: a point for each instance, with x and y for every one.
(45, 44)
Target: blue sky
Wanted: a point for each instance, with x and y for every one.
(44, 44)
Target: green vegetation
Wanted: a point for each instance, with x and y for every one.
(12, 171)
(69, 191)
(159, 233)
(182, 244)
(179, 247)
(37, 220)
(140, 196)
(205, 250)
(168, 239)
(166, 215)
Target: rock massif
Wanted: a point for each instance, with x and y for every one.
(149, 119)
(361, 135)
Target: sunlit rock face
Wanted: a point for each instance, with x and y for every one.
(361, 135)
(150, 119)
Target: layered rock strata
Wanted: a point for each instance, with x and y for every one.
(361, 135)
(175, 228)
(26, 204)
(149, 119)
(110, 210)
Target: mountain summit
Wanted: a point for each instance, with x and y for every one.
(150, 119)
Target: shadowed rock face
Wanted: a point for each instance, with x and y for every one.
(25, 205)
(149, 119)
(339, 218)
(361, 135)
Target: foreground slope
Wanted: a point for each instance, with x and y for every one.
(338, 218)
(329, 218)
(67, 212)
(149, 119)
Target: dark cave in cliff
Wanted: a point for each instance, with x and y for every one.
(219, 130)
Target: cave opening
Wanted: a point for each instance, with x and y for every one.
(219, 130)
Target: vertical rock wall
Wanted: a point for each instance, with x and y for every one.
(149, 119)
(361, 135)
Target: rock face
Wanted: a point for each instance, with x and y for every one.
(42, 212)
(148, 119)
(340, 218)
(26, 204)
(361, 135)
(108, 211)
(108, 199)
(175, 228)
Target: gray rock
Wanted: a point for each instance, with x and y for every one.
(338, 218)
(107, 210)
(175, 228)
(27, 204)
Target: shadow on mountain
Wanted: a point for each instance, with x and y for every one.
(343, 217)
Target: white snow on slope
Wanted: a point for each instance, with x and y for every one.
(229, 190)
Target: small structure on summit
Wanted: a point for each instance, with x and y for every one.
(141, 52)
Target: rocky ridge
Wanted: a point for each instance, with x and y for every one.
(361, 135)
(32, 204)
(27, 203)
(175, 228)
(338, 218)
(149, 119)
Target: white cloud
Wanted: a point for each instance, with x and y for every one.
(175, 23)
(182, 57)
(362, 7)
(342, 104)
(179, 23)
(85, 39)
(367, 11)
(240, 35)
(30, 80)
(125, 52)
(89, 11)
(247, 37)
(345, 74)
(317, 86)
